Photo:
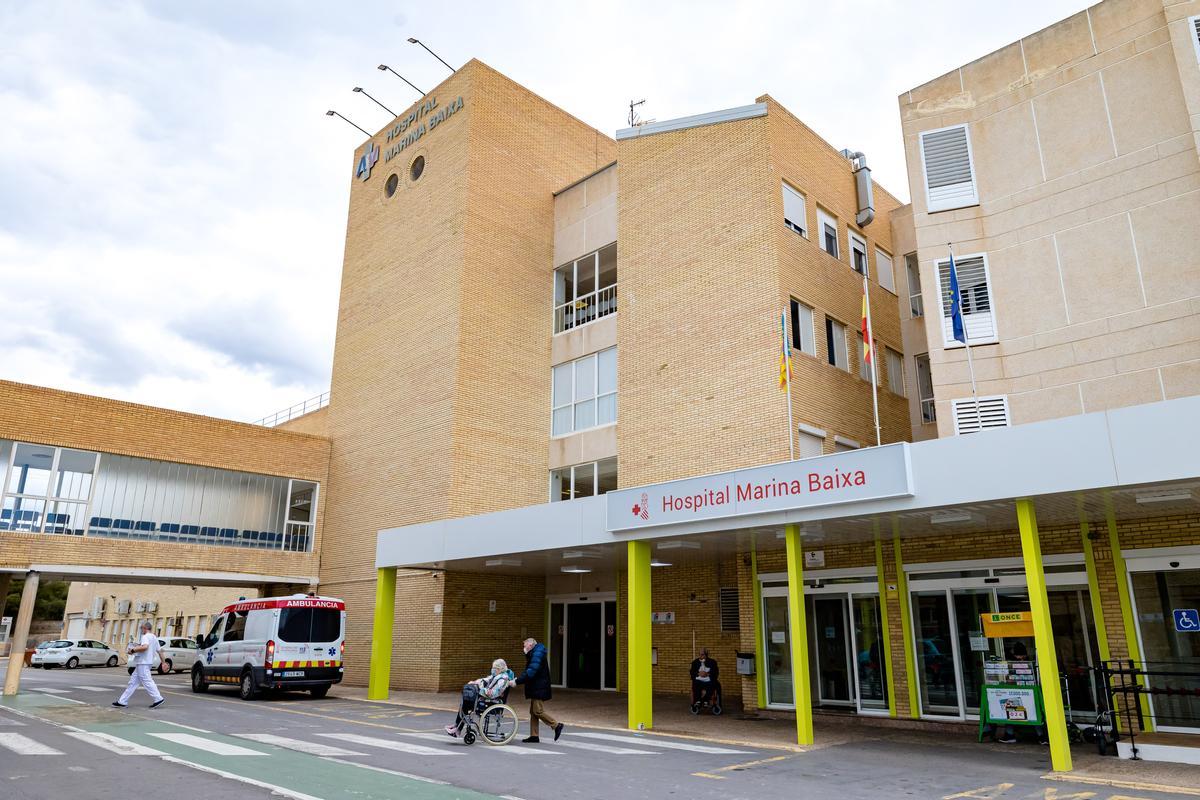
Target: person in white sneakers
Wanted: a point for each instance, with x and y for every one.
(141, 656)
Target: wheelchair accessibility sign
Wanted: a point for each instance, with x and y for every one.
(1187, 620)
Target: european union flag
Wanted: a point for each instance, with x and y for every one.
(956, 317)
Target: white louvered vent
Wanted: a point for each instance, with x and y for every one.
(979, 319)
(730, 609)
(1194, 30)
(992, 412)
(949, 176)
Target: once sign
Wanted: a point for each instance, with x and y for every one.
(869, 474)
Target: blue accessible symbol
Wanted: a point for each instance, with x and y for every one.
(1187, 620)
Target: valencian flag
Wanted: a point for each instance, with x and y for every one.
(868, 345)
(956, 317)
(785, 354)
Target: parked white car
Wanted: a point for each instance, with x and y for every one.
(72, 653)
(177, 655)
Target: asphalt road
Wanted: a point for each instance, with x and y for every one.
(60, 738)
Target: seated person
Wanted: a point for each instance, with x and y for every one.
(704, 678)
(490, 687)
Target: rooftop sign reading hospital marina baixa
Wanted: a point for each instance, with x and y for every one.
(872, 473)
(412, 126)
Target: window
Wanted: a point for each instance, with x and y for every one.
(864, 366)
(803, 338)
(1193, 25)
(584, 393)
(912, 268)
(309, 625)
(827, 230)
(810, 441)
(883, 270)
(301, 517)
(47, 489)
(835, 343)
(583, 480)
(858, 252)
(978, 319)
(794, 211)
(925, 388)
(895, 371)
(842, 444)
(949, 174)
(730, 608)
(989, 412)
(585, 289)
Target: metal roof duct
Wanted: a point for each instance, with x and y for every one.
(864, 188)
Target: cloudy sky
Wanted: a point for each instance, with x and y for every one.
(173, 197)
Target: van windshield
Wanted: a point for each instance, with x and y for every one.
(310, 624)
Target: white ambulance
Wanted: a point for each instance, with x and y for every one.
(294, 642)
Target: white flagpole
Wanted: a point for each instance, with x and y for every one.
(967, 345)
(874, 361)
(788, 373)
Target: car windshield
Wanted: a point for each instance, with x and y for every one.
(310, 624)
(60, 643)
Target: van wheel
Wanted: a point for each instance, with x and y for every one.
(247, 689)
(165, 666)
(72, 662)
(112, 661)
(199, 685)
(318, 692)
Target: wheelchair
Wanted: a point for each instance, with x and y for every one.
(494, 721)
(712, 702)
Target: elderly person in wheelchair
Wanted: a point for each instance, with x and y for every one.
(484, 712)
(706, 689)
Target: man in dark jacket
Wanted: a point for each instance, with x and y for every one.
(536, 679)
(704, 678)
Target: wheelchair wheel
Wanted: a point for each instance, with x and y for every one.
(716, 709)
(695, 708)
(469, 737)
(498, 724)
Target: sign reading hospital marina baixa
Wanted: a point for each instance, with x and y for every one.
(869, 474)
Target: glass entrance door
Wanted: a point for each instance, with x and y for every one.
(831, 645)
(778, 649)
(870, 666)
(1166, 602)
(582, 642)
(935, 653)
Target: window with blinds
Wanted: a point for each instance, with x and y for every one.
(895, 371)
(883, 271)
(949, 175)
(730, 608)
(803, 338)
(979, 319)
(989, 412)
(794, 211)
(1194, 30)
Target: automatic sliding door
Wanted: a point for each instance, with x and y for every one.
(969, 607)
(868, 652)
(935, 653)
(778, 649)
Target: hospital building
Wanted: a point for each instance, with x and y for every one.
(555, 407)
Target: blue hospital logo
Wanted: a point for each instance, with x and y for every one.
(209, 656)
(366, 161)
(333, 651)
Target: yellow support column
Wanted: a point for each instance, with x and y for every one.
(760, 658)
(1043, 635)
(885, 622)
(1127, 621)
(641, 689)
(910, 653)
(798, 633)
(1089, 560)
(381, 635)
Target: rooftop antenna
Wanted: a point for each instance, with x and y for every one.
(634, 119)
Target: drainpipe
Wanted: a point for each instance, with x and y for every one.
(862, 183)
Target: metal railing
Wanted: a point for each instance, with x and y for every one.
(585, 308)
(298, 410)
(1173, 687)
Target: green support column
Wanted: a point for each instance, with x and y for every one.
(760, 658)
(798, 633)
(885, 623)
(1043, 635)
(910, 653)
(641, 697)
(381, 635)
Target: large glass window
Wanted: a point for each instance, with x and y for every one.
(584, 393)
(585, 289)
(583, 480)
(42, 483)
(1166, 601)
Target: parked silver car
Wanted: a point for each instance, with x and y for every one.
(72, 653)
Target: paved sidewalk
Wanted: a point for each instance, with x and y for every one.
(778, 730)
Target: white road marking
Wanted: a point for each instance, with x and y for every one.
(209, 745)
(24, 746)
(604, 748)
(389, 744)
(654, 741)
(48, 689)
(90, 688)
(442, 738)
(388, 771)
(7, 721)
(113, 744)
(313, 748)
(242, 779)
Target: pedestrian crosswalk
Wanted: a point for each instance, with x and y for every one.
(22, 745)
(301, 745)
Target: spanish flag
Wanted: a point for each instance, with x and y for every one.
(785, 355)
(868, 345)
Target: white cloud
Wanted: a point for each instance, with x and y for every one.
(173, 199)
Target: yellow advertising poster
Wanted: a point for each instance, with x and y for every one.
(1007, 623)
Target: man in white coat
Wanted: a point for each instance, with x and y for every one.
(141, 656)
